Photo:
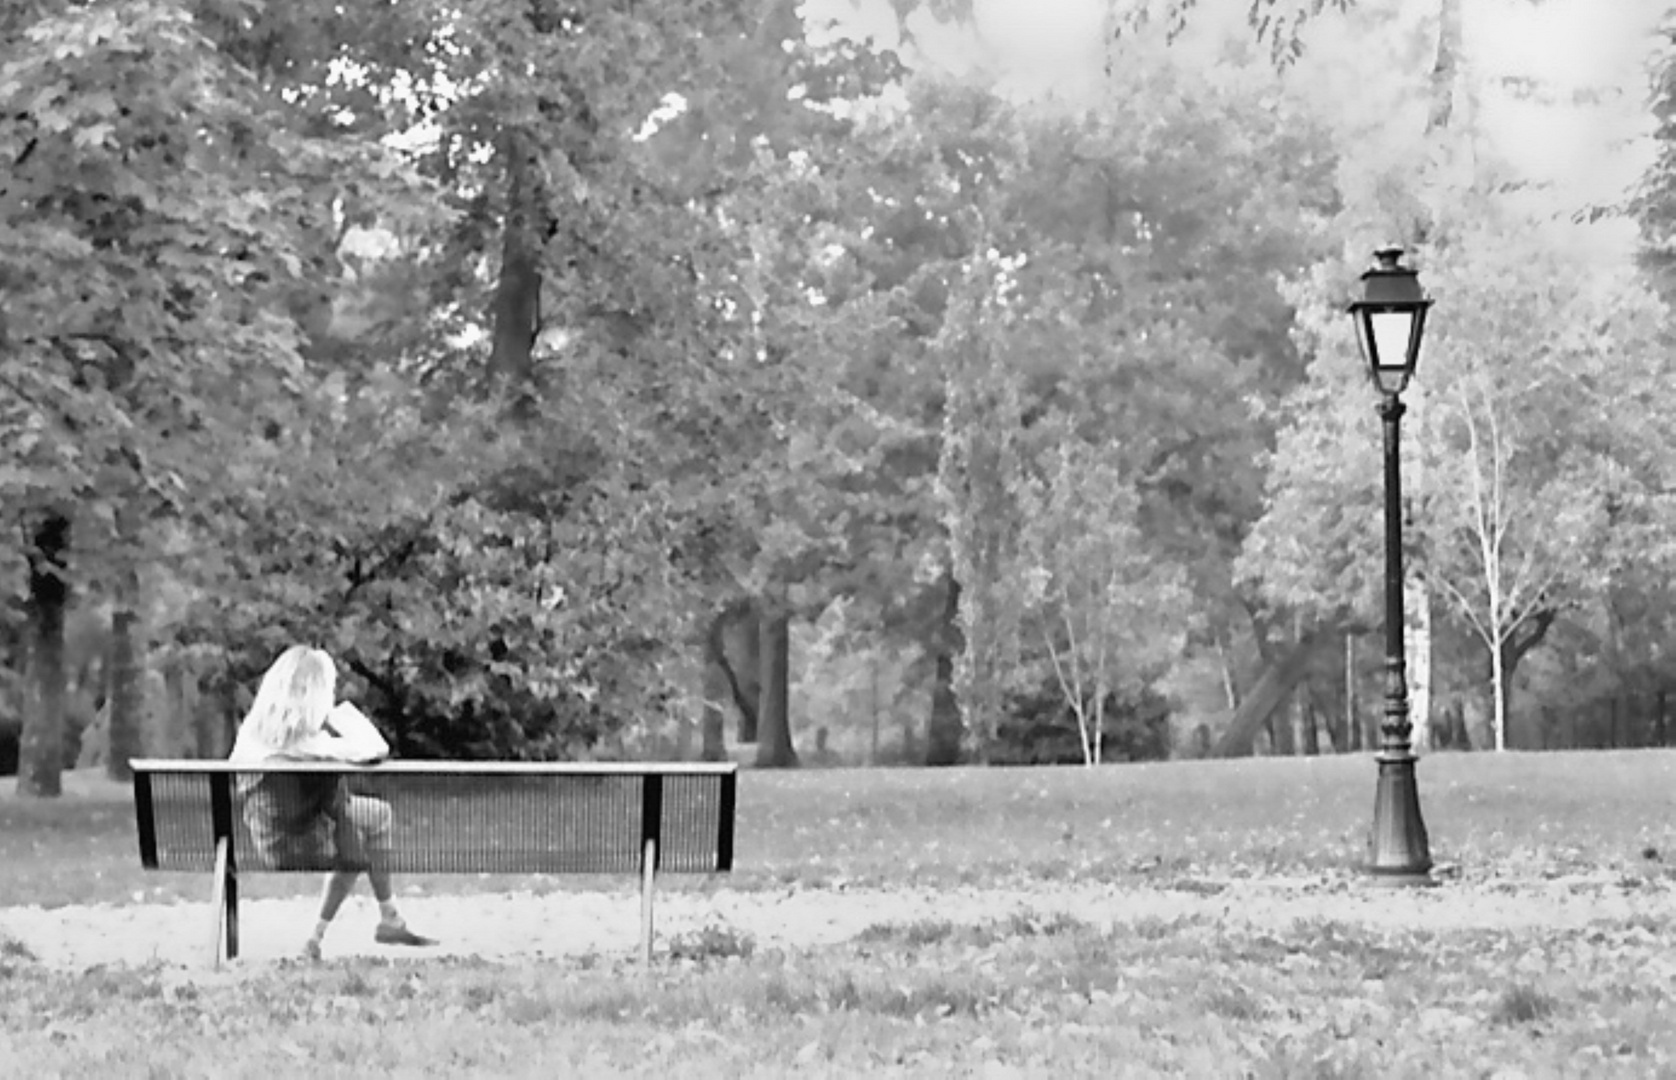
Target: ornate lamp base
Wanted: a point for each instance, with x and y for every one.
(1398, 850)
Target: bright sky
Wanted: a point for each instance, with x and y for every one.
(1563, 83)
(1587, 126)
(1596, 48)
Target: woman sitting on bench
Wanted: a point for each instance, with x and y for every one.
(310, 819)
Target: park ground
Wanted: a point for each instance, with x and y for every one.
(1176, 919)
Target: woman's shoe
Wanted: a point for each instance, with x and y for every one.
(399, 934)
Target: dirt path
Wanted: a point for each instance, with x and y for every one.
(606, 922)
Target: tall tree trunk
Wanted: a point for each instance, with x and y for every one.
(716, 695)
(1498, 692)
(1282, 732)
(1306, 717)
(126, 702)
(683, 736)
(517, 300)
(1352, 726)
(41, 747)
(774, 748)
(873, 701)
(125, 690)
(179, 710)
(1230, 688)
(942, 733)
(1526, 635)
(209, 719)
(735, 651)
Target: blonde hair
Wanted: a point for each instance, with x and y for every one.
(294, 697)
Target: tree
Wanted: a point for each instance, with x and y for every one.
(1653, 201)
(1107, 615)
(1543, 470)
(149, 233)
(1138, 296)
(1536, 463)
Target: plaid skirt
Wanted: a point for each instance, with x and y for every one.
(311, 822)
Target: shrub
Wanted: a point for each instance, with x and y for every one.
(712, 943)
(1041, 729)
(1522, 1004)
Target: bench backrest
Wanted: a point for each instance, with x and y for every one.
(476, 817)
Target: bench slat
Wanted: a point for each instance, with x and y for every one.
(450, 768)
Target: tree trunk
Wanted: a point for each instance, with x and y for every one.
(1270, 692)
(873, 700)
(1311, 735)
(774, 750)
(683, 736)
(1230, 689)
(716, 694)
(1418, 661)
(942, 734)
(179, 710)
(126, 696)
(735, 651)
(1099, 720)
(1525, 635)
(41, 746)
(209, 720)
(1282, 735)
(517, 300)
(1352, 726)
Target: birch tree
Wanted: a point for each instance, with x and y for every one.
(1105, 611)
(1547, 431)
(1545, 464)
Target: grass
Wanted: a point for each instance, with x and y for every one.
(1191, 826)
(1203, 1001)
(1025, 993)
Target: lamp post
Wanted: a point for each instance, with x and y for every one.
(1390, 321)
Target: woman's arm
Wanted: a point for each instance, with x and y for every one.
(347, 736)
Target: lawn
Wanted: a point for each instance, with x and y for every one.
(1018, 993)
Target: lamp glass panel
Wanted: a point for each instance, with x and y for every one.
(1391, 331)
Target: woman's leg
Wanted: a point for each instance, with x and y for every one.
(371, 821)
(368, 839)
(339, 883)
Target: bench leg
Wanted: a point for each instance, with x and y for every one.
(232, 911)
(648, 870)
(218, 899)
(224, 903)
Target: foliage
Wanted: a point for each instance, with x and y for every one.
(494, 592)
(1042, 727)
(1653, 202)
(1102, 610)
(496, 346)
(1535, 454)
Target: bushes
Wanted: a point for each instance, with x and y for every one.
(1041, 729)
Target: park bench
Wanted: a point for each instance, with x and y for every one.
(454, 817)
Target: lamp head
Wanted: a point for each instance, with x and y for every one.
(1390, 320)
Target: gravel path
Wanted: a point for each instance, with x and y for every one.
(606, 922)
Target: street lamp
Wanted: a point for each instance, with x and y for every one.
(1390, 320)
